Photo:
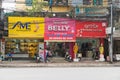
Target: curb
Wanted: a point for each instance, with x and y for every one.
(60, 65)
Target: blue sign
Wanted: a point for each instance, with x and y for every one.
(95, 12)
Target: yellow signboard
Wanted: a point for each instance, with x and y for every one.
(26, 27)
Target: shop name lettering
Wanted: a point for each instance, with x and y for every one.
(90, 26)
(57, 22)
(22, 26)
(58, 28)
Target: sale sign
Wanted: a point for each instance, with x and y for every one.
(59, 30)
(91, 29)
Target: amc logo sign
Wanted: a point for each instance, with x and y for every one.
(21, 25)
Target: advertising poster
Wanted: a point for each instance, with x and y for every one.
(41, 50)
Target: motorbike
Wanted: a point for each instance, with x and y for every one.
(68, 57)
(79, 56)
(39, 59)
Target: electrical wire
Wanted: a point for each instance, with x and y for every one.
(57, 20)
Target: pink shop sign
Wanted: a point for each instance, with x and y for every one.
(59, 30)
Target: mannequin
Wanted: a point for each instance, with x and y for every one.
(101, 50)
(75, 49)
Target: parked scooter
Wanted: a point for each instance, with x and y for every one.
(9, 56)
(68, 57)
(39, 58)
(79, 56)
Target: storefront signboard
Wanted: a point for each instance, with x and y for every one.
(59, 30)
(26, 27)
(91, 29)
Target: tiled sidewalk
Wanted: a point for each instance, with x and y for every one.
(58, 64)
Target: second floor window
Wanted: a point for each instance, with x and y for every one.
(28, 2)
(58, 2)
(97, 2)
(86, 2)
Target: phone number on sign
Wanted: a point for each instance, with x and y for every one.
(61, 38)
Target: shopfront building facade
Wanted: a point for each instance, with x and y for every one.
(90, 35)
(60, 35)
(25, 34)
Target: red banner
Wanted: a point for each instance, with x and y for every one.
(59, 30)
(91, 29)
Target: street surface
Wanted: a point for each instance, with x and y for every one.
(77, 73)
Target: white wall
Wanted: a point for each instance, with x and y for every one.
(116, 3)
(0, 3)
(8, 5)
